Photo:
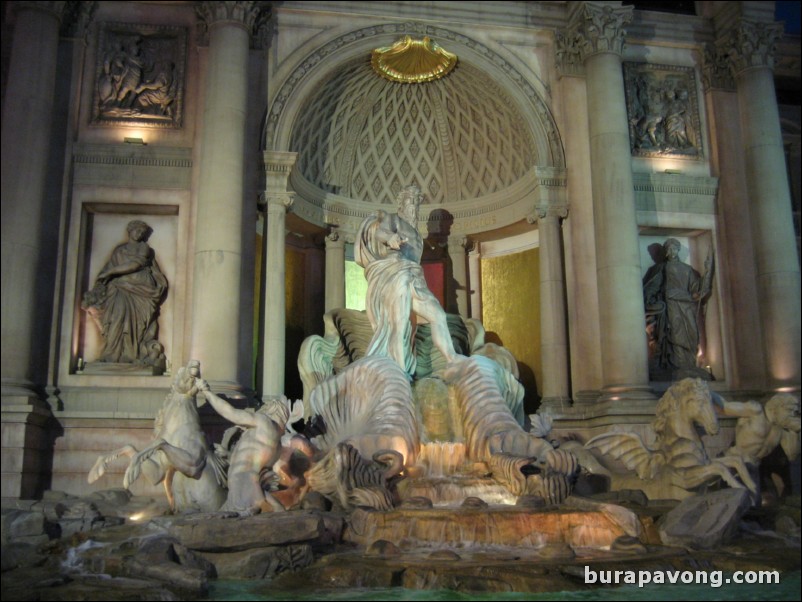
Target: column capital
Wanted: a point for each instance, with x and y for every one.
(716, 71)
(334, 240)
(540, 212)
(277, 201)
(457, 244)
(278, 167)
(750, 44)
(241, 14)
(596, 28)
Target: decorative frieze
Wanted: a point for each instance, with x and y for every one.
(662, 111)
(139, 75)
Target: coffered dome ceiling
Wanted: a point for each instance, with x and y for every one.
(458, 138)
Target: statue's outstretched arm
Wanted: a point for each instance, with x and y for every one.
(226, 410)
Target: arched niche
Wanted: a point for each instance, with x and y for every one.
(496, 138)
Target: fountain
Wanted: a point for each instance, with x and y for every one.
(415, 469)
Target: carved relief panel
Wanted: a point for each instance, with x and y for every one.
(139, 75)
(663, 111)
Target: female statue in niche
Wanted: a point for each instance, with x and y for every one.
(125, 299)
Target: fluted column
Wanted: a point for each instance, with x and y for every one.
(218, 229)
(553, 330)
(598, 31)
(278, 199)
(475, 279)
(751, 48)
(27, 118)
(459, 275)
(335, 271)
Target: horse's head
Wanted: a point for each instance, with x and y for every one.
(697, 404)
(687, 402)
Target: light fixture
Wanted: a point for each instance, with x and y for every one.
(132, 140)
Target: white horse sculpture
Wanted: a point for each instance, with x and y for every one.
(179, 446)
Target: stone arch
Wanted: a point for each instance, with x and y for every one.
(316, 67)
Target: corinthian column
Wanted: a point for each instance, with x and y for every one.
(751, 49)
(278, 199)
(217, 303)
(597, 30)
(335, 271)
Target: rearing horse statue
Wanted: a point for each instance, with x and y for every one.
(179, 446)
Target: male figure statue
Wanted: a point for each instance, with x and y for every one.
(679, 291)
(389, 247)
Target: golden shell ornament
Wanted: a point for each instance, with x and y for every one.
(411, 61)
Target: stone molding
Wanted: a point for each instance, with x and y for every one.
(124, 164)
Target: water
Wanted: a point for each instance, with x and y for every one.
(789, 588)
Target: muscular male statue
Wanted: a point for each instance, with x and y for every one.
(389, 247)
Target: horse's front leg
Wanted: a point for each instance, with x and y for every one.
(738, 464)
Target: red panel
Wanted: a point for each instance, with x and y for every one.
(435, 274)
